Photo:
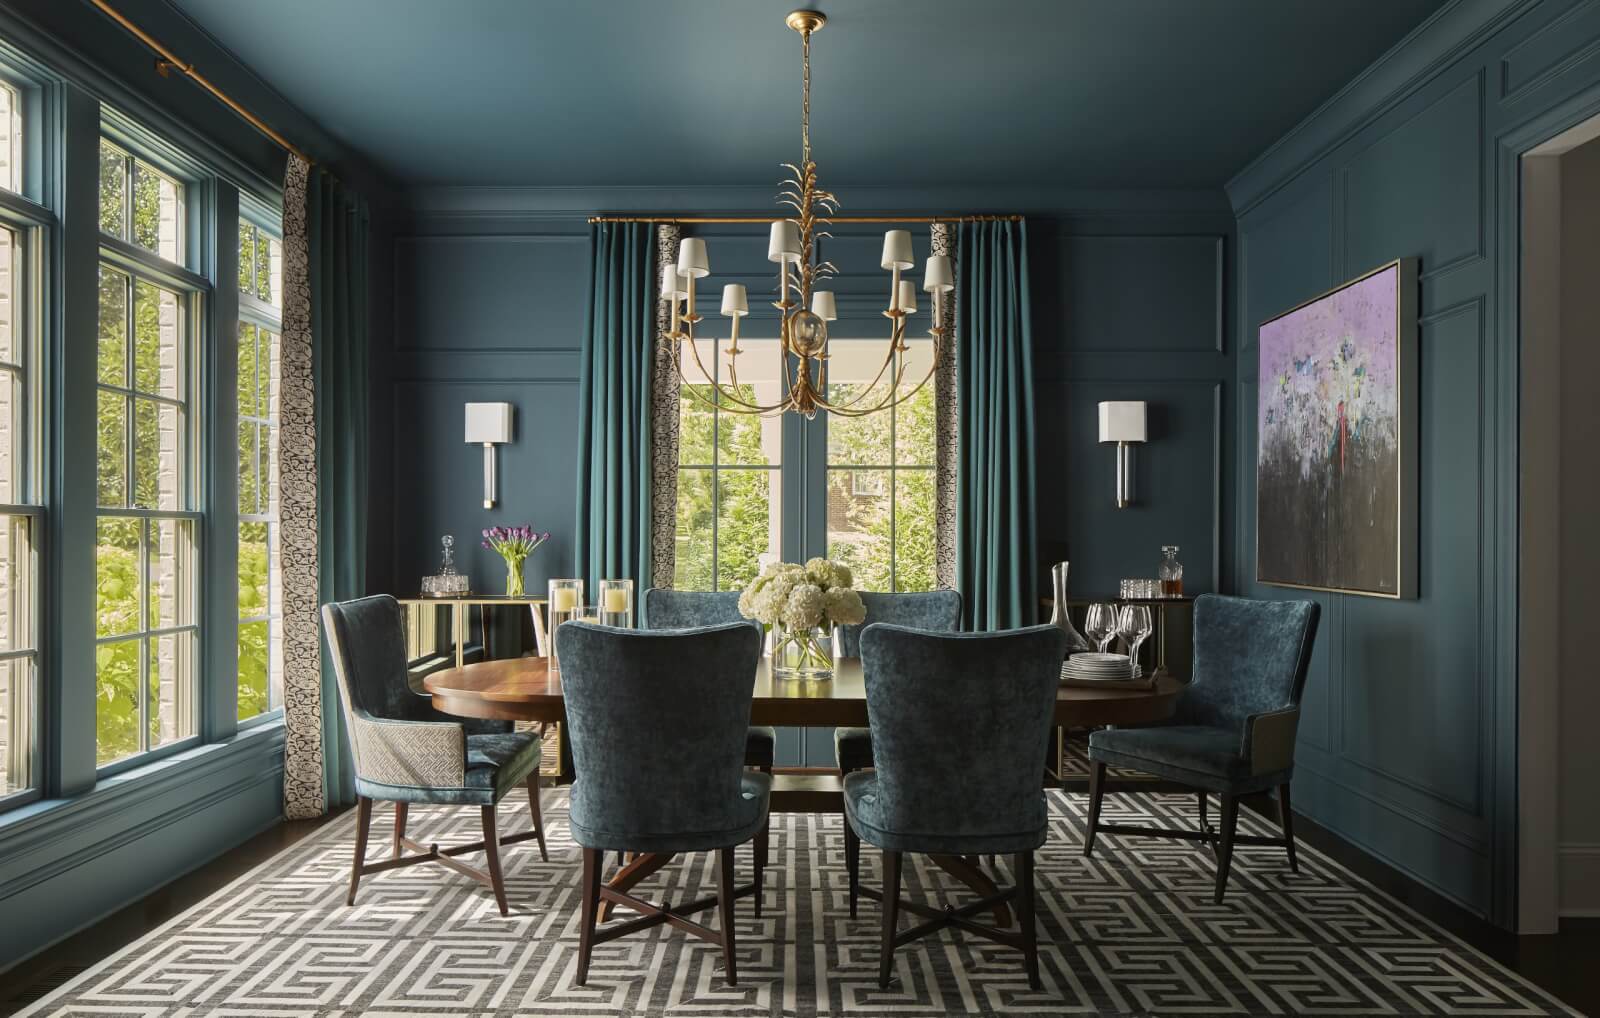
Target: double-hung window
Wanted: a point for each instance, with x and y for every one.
(260, 582)
(147, 525)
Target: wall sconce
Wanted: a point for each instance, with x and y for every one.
(1123, 422)
(488, 424)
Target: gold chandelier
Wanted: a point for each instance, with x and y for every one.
(804, 331)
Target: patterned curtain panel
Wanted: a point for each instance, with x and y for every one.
(664, 423)
(615, 409)
(323, 467)
(947, 425)
(996, 556)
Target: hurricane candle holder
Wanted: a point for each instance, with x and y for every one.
(566, 598)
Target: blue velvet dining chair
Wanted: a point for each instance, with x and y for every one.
(1234, 729)
(959, 724)
(656, 722)
(934, 611)
(407, 753)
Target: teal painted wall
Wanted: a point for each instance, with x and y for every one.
(1407, 746)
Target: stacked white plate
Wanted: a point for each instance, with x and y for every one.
(1093, 667)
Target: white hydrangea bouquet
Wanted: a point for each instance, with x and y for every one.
(800, 606)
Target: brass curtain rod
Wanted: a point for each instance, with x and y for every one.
(831, 219)
(169, 61)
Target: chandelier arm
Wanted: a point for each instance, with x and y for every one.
(888, 401)
(894, 341)
(722, 393)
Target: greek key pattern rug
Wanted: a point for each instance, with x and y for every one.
(1130, 931)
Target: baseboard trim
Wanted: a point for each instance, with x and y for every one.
(1578, 879)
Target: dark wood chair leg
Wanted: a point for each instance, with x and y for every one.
(1030, 934)
(592, 862)
(363, 822)
(891, 908)
(400, 809)
(1204, 823)
(760, 854)
(491, 850)
(852, 864)
(538, 815)
(725, 913)
(1286, 819)
(1229, 820)
(1097, 794)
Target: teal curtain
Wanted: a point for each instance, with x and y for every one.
(337, 225)
(612, 535)
(996, 534)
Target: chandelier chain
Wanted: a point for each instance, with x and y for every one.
(805, 96)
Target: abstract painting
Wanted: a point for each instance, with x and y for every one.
(1335, 461)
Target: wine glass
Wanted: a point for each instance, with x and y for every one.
(1134, 625)
(1100, 625)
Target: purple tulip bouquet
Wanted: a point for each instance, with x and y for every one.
(514, 544)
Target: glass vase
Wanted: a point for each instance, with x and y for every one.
(802, 653)
(514, 577)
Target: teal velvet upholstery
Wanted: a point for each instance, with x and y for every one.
(691, 609)
(1250, 662)
(933, 611)
(657, 725)
(959, 729)
(367, 645)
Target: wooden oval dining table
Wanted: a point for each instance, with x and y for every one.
(528, 689)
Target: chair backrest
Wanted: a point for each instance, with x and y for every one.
(657, 724)
(689, 609)
(933, 611)
(1249, 657)
(960, 723)
(366, 639)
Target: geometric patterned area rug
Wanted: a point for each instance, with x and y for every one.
(1130, 931)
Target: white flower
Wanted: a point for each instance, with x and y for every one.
(803, 609)
(842, 576)
(820, 572)
(747, 598)
(843, 607)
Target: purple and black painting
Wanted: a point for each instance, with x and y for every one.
(1328, 459)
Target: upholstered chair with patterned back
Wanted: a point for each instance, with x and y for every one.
(934, 611)
(656, 721)
(405, 752)
(690, 609)
(1234, 730)
(959, 726)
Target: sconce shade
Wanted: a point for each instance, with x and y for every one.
(672, 283)
(784, 243)
(824, 306)
(488, 422)
(1122, 421)
(897, 249)
(734, 300)
(937, 278)
(908, 297)
(692, 259)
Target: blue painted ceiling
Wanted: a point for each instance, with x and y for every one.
(1070, 93)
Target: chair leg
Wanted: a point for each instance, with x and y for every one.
(1030, 934)
(491, 850)
(760, 854)
(852, 864)
(1230, 820)
(363, 822)
(592, 861)
(725, 913)
(1097, 794)
(400, 809)
(1204, 823)
(891, 907)
(1286, 819)
(538, 815)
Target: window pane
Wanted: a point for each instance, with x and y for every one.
(914, 530)
(113, 190)
(171, 551)
(274, 248)
(117, 702)
(113, 363)
(248, 403)
(11, 154)
(692, 569)
(695, 425)
(17, 714)
(253, 571)
(157, 455)
(914, 420)
(157, 341)
(858, 440)
(16, 586)
(859, 521)
(247, 257)
(112, 449)
(117, 575)
(263, 269)
(157, 213)
(747, 440)
(169, 709)
(254, 690)
(13, 437)
(10, 269)
(747, 524)
(248, 465)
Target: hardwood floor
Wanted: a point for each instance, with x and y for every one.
(1562, 963)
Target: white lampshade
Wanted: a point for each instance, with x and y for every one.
(784, 244)
(488, 422)
(897, 250)
(908, 297)
(1122, 421)
(734, 302)
(672, 284)
(937, 277)
(824, 306)
(692, 258)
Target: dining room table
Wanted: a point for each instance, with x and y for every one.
(528, 689)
